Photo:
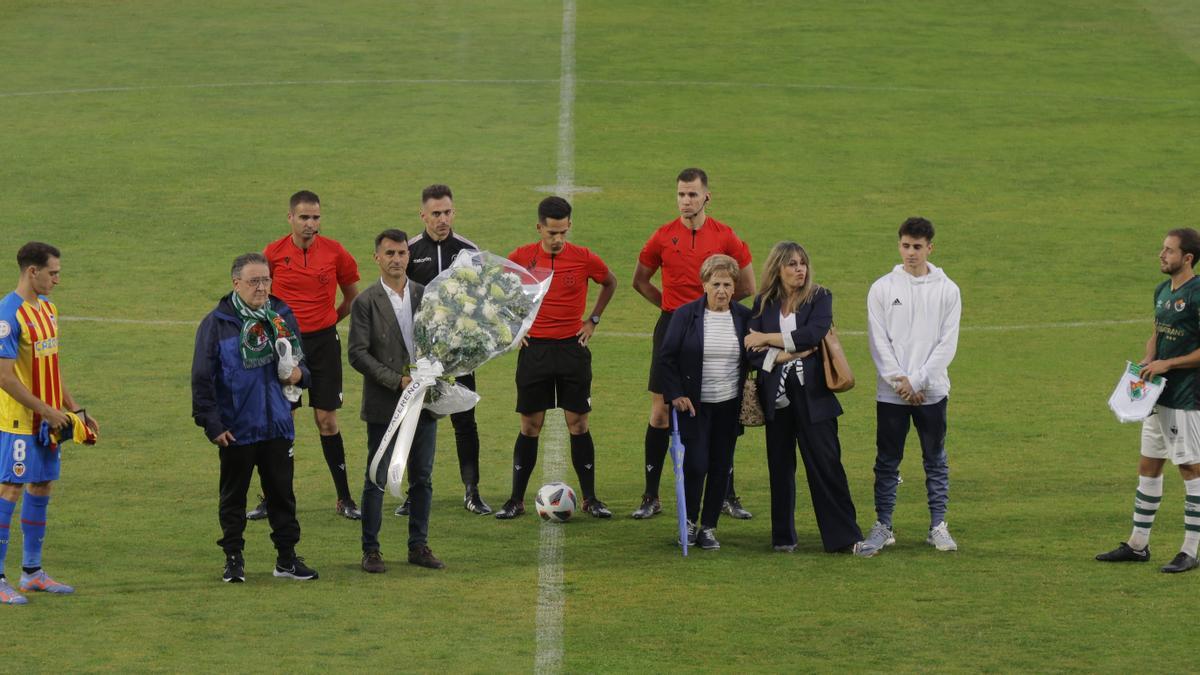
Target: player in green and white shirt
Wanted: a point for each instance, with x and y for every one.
(1173, 429)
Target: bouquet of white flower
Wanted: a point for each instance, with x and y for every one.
(475, 310)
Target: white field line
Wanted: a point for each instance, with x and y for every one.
(712, 84)
(968, 329)
(269, 84)
(629, 334)
(548, 655)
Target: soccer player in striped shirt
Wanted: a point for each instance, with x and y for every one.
(32, 398)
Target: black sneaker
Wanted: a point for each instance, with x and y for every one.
(511, 509)
(706, 539)
(372, 562)
(346, 508)
(404, 508)
(425, 558)
(295, 569)
(650, 507)
(1182, 563)
(1124, 553)
(235, 569)
(733, 508)
(259, 512)
(597, 508)
(474, 503)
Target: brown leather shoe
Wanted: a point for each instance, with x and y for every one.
(425, 558)
(373, 562)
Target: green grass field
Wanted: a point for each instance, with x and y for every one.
(1053, 144)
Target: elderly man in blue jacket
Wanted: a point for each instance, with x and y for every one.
(238, 380)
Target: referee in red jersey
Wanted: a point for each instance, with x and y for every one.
(554, 366)
(307, 271)
(678, 249)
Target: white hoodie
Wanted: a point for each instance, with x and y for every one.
(912, 328)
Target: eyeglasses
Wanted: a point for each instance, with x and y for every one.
(260, 282)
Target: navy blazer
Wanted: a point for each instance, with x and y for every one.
(682, 355)
(813, 320)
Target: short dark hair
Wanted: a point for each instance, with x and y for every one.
(436, 191)
(246, 259)
(36, 254)
(390, 233)
(690, 174)
(1189, 242)
(553, 207)
(303, 197)
(917, 228)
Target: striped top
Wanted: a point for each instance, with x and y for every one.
(29, 337)
(722, 357)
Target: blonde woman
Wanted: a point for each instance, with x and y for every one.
(788, 320)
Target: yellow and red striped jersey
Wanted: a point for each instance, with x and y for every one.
(29, 336)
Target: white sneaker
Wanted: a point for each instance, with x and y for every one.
(939, 538)
(880, 537)
(861, 550)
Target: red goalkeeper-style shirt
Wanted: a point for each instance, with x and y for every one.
(308, 280)
(680, 251)
(561, 314)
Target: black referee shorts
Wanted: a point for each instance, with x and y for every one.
(323, 355)
(554, 374)
(660, 333)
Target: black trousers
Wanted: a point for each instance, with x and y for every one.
(466, 437)
(822, 455)
(275, 467)
(708, 458)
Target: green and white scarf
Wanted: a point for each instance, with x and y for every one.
(260, 328)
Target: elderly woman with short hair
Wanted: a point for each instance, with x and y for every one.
(704, 367)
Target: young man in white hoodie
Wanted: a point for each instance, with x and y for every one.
(912, 328)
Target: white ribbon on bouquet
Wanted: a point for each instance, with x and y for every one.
(408, 412)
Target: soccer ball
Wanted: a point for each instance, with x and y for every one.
(555, 502)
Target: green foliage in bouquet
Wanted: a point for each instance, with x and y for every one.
(469, 316)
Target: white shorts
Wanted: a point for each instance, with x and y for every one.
(1172, 434)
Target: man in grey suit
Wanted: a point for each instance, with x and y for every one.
(381, 342)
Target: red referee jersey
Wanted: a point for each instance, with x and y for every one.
(680, 251)
(561, 314)
(307, 280)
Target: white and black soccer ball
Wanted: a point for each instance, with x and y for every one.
(555, 502)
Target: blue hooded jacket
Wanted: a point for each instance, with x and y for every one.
(248, 403)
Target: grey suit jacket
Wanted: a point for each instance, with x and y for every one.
(377, 349)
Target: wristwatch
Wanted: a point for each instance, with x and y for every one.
(595, 319)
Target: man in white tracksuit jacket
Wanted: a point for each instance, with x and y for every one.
(913, 314)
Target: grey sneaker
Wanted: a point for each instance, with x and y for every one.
(706, 539)
(259, 512)
(692, 531)
(880, 537)
(9, 595)
(939, 538)
(650, 507)
(733, 508)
